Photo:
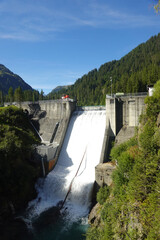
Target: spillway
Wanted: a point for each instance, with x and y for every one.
(79, 155)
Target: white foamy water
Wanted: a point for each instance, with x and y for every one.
(83, 140)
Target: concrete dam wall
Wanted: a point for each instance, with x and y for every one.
(50, 119)
(46, 115)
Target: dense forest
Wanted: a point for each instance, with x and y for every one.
(130, 208)
(19, 95)
(17, 173)
(130, 74)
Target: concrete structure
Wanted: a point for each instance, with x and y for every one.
(123, 111)
(150, 89)
(124, 135)
(45, 116)
(103, 173)
(122, 116)
(50, 119)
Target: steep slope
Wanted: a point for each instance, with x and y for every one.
(9, 79)
(129, 74)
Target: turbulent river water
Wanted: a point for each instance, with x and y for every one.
(80, 154)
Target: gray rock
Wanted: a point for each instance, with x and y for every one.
(103, 173)
(94, 216)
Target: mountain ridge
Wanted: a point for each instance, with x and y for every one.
(9, 79)
(59, 88)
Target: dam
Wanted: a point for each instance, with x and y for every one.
(51, 118)
(75, 144)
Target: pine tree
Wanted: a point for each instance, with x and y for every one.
(10, 94)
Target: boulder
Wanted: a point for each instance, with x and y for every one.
(103, 173)
(94, 216)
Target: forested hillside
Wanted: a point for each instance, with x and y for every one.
(9, 79)
(17, 174)
(58, 88)
(130, 208)
(129, 74)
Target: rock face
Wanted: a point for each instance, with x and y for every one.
(103, 176)
(103, 173)
(94, 216)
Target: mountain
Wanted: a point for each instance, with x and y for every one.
(9, 79)
(131, 74)
(59, 88)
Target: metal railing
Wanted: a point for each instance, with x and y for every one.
(117, 95)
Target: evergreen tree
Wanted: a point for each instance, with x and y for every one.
(41, 96)
(18, 95)
(11, 94)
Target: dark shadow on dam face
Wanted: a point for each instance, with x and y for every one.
(119, 115)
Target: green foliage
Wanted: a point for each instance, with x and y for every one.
(20, 96)
(153, 108)
(156, 90)
(94, 234)
(103, 194)
(17, 173)
(146, 140)
(10, 94)
(118, 150)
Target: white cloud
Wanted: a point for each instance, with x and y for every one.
(105, 16)
(30, 20)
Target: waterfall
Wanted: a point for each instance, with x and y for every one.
(81, 151)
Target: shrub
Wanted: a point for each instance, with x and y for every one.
(103, 194)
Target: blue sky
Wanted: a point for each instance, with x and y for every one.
(54, 42)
